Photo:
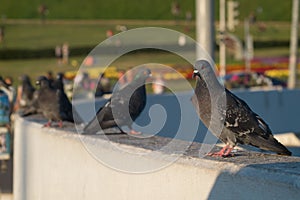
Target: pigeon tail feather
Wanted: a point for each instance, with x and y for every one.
(270, 144)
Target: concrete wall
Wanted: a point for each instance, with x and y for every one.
(54, 164)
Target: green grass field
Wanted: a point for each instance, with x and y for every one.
(135, 9)
(33, 68)
(22, 33)
(31, 34)
(37, 67)
(34, 35)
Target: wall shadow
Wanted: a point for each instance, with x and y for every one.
(279, 180)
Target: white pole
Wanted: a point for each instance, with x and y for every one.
(293, 46)
(247, 45)
(205, 27)
(222, 47)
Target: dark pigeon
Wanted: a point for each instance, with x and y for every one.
(58, 82)
(27, 92)
(53, 103)
(130, 98)
(240, 124)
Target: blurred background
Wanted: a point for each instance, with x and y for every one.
(41, 36)
(47, 37)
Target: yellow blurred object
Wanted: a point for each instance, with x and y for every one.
(74, 63)
(110, 72)
(277, 73)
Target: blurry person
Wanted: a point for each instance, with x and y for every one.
(188, 16)
(103, 87)
(158, 85)
(175, 10)
(65, 53)
(6, 86)
(58, 54)
(188, 19)
(25, 93)
(12, 96)
(252, 18)
(78, 79)
(181, 40)
(109, 33)
(86, 81)
(43, 12)
(4, 109)
(7, 99)
(122, 78)
(9, 80)
(130, 74)
(1, 34)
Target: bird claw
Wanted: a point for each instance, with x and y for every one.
(224, 152)
(218, 154)
(133, 132)
(60, 124)
(48, 124)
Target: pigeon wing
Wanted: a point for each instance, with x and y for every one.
(65, 106)
(248, 127)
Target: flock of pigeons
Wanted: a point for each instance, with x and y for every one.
(49, 99)
(239, 123)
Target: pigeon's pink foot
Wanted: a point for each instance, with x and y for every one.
(133, 132)
(60, 124)
(48, 124)
(224, 152)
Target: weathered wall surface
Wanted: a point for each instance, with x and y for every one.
(54, 164)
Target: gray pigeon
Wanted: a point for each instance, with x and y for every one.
(129, 99)
(53, 103)
(27, 91)
(240, 124)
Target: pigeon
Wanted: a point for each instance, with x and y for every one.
(53, 103)
(239, 123)
(27, 91)
(58, 82)
(131, 99)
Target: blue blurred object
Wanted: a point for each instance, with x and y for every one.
(4, 109)
(4, 143)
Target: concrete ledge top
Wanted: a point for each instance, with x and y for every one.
(283, 169)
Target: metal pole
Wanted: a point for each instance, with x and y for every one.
(222, 47)
(205, 27)
(247, 53)
(293, 46)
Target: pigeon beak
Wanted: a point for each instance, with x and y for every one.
(37, 83)
(195, 73)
